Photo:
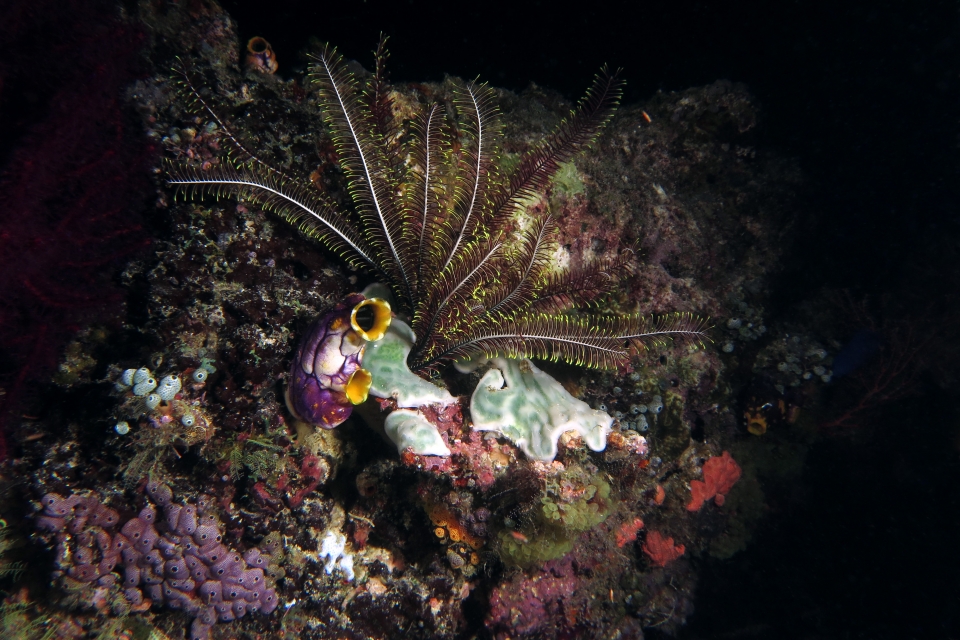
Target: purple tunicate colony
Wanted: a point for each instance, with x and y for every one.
(177, 558)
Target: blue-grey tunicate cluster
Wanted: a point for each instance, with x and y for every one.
(655, 405)
(639, 423)
(639, 406)
(746, 324)
(793, 360)
(143, 384)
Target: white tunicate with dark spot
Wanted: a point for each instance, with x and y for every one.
(122, 428)
(642, 424)
(602, 407)
(152, 401)
(200, 375)
(169, 387)
(126, 378)
(734, 323)
(818, 370)
(728, 347)
(188, 420)
(634, 409)
(617, 391)
(140, 375)
(145, 387)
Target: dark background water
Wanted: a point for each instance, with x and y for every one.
(865, 95)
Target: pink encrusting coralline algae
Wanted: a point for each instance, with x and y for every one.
(175, 558)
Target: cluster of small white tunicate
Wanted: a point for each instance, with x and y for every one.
(140, 379)
(169, 387)
(129, 378)
(152, 401)
(145, 387)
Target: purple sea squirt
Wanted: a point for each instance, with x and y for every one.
(326, 378)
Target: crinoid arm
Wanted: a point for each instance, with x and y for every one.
(580, 287)
(307, 209)
(598, 342)
(385, 221)
(239, 153)
(642, 331)
(579, 129)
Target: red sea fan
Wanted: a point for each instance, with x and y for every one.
(73, 183)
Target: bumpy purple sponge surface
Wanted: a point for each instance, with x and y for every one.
(177, 558)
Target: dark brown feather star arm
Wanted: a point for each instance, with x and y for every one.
(581, 286)
(304, 208)
(424, 199)
(380, 105)
(519, 282)
(641, 331)
(578, 340)
(476, 104)
(580, 128)
(442, 310)
(187, 88)
(598, 342)
(369, 180)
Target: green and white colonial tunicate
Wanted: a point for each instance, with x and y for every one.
(518, 400)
